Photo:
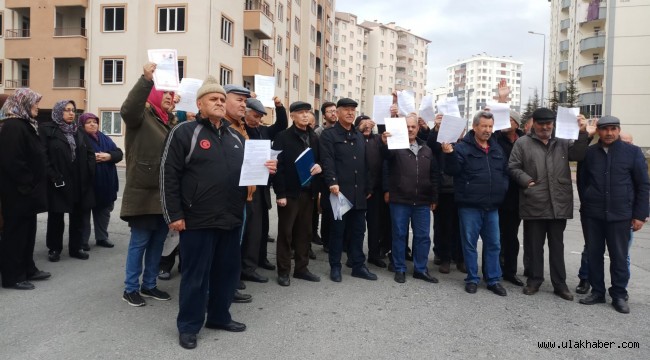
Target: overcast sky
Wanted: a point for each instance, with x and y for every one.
(459, 29)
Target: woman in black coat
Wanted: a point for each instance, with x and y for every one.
(70, 172)
(22, 189)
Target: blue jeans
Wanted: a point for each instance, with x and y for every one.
(475, 222)
(148, 245)
(420, 218)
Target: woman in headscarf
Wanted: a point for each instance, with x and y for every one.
(106, 185)
(22, 188)
(70, 171)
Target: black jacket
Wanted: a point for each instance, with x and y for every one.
(445, 182)
(78, 175)
(23, 172)
(201, 185)
(375, 161)
(286, 182)
(511, 200)
(343, 155)
(412, 179)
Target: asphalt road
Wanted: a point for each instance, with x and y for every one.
(79, 314)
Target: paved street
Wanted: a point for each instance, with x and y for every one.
(79, 314)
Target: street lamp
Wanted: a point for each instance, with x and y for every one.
(543, 62)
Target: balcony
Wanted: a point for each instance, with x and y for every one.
(68, 83)
(602, 15)
(564, 66)
(17, 34)
(402, 41)
(259, 19)
(594, 42)
(564, 24)
(257, 62)
(16, 83)
(591, 98)
(13, 4)
(401, 53)
(561, 87)
(565, 5)
(564, 45)
(591, 70)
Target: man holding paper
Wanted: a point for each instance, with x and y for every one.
(201, 198)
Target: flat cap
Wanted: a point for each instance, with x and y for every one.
(236, 89)
(346, 102)
(608, 120)
(256, 105)
(299, 105)
(359, 119)
(210, 85)
(543, 115)
(515, 116)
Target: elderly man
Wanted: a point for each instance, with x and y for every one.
(202, 200)
(539, 163)
(343, 157)
(480, 184)
(413, 193)
(328, 112)
(614, 183)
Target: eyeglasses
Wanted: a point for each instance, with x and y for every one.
(330, 111)
(69, 110)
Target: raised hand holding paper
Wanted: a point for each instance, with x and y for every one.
(566, 125)
(381, 108)
(451, 128)
(399, 135)
(406, 101)
(166, 75)
(501, 114)
(426, 110)
(265, 90)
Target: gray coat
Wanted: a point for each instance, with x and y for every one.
(548, 166)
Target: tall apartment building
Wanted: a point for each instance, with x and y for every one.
(475, 80)
(93, 51)
(350, 53)
(603, 46)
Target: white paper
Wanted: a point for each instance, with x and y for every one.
(274, 154)
(166, 75)
(566, 126)
(340, 205)
(449, 106)
(265, 90)
(253, 171)
(187, 91)
(426, 109)
(451, 128)
(501, 114)
(399, 135)
(381, 108)
(405, 102)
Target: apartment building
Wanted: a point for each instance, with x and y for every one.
(475, 80)
(350, 53)
(602, 45)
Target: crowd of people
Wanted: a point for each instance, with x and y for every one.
(182, 194)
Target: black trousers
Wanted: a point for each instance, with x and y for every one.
(265, 236)
(373, 220)
(535, 234)
(385, 227)
(508, 230)
(327, 217)
(17, 249)
(250, 247)
(56, 226)
(294, 230)
(446, 230)
(616, 235)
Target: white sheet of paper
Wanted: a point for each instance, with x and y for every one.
(274, 154)
(253, 171)
(501, 114)
(340, 205)
(166, 75)
(405, 102)
(451, 128)
(566, 125)
(265, 90)
(399, 135)
(381, 108)
(449, 106)
(187, 91)
(426, 109)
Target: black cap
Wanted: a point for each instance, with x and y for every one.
(346, 102)
(543, 115)
(608, 120)
(360, 118)
(236, 89)
(299, 105)
(256, 105)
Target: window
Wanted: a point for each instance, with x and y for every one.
(280, 12)
(112, 71)
(312, 33)
(296, 24)
(181, 68)
(225, 76)
(312, 60)
(296, 53)
(111, 122)
(311, 87)
(278, 78)
(226, 30)
(295, 82)
(171, 19)
(279, 45)
(113, 18)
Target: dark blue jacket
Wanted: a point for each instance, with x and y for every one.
(614, 184)
(106, 181)
(480, 179)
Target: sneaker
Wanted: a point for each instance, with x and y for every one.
(164, 275)
(133, 298)
(156, 294)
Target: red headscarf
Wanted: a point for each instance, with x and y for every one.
(155, 100)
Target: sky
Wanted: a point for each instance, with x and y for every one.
(459, 29)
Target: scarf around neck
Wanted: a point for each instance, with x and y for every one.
(68, 130)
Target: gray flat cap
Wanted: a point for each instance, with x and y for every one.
(256, 105)
(236, 89)
(609, 120)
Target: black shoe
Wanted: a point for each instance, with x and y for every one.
(497, 289)
(316, 239)
(513, 279)
(391, 267)
(270, 239)
(85, 247)
(155, 293)
(54, 255)
(241, 285)
(164, 275)
(283, 280)
(377, 262)
(242, 298)
(583, 287)
(363, 273)
(335, 274)
(621, 305)
(437, 260)
(306, 275)
(232, 326)
(105, 243)
(530, 290)
(400, 277)
(470, 288)
(593, 299)
(133, 298)
(254, 277)
(266, 264)
(564, 294)
(445, 267)
(187, 341)
(39, 275)
(23, 285)
(425, 276)
(79, 254)
(312, 254)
